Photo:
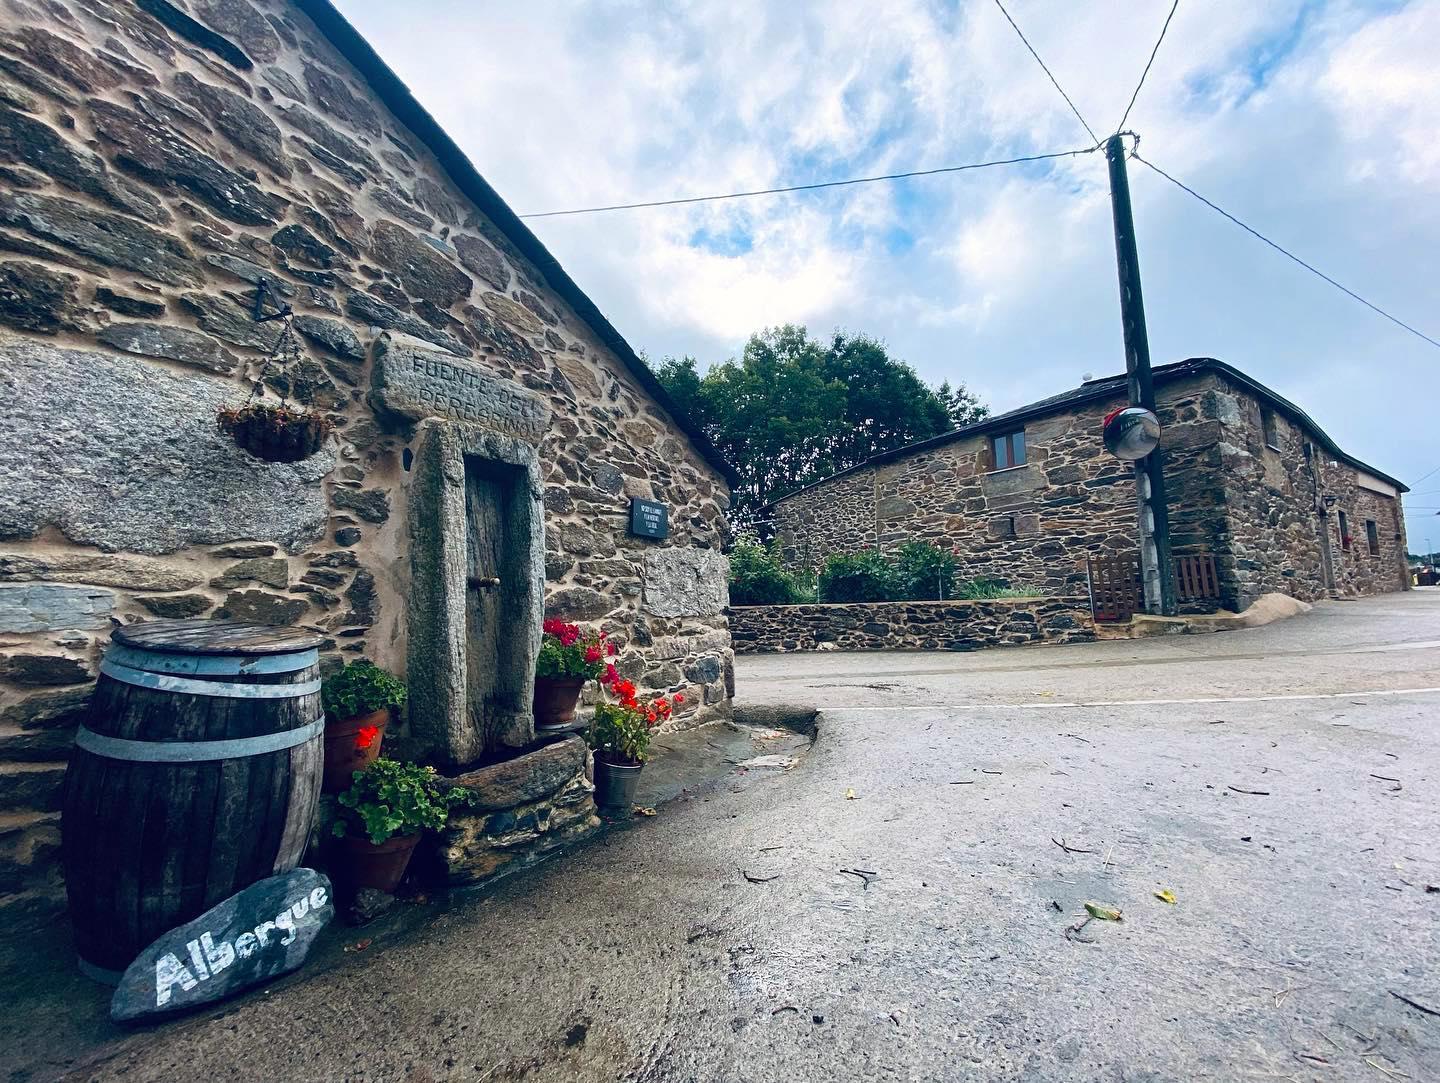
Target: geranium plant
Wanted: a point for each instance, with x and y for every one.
(391, 798)
(567, 651)
(361, 688)
(620, 732)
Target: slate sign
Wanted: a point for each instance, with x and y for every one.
(649, 519)
(253, 936)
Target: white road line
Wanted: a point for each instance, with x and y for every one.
(1135, 702)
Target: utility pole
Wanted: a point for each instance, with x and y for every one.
(1153, 511)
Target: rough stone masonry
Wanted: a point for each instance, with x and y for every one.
(149, 181)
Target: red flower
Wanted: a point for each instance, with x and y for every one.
(592, 654)
(610, 649)
(366, 735)
(611, 673)
(679, 698)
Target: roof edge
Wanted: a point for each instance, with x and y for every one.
(402, 104)
(1092, 391)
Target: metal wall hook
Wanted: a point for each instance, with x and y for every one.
(260, 315)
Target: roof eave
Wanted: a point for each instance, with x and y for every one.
(396, 97)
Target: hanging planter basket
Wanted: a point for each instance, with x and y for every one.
(277, 434)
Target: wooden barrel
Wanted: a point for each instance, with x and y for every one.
(196, 774)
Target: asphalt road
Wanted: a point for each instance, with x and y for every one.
(1281, 782)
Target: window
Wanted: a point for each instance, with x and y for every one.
(1372, 536)
(1272, 431)
(1344, 532)
(1009, 450)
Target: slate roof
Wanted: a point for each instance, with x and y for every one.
(396, 97)
(1109, 387)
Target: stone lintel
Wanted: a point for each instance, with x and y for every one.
(416, 383)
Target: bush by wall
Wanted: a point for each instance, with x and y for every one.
(917, 572)
(756, 577)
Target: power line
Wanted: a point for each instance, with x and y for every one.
(1146, 72)
(1046, 70)
(1422, 477)
(1289, 255)
(813, 187)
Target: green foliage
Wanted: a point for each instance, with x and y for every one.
(391, 798)
(792, 410)
(756, 577)
(925, 572)
(360, 688)
(866, 576)
(981, 590)
(621, 734)
(962, 404)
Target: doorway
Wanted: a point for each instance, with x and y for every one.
(477, 579)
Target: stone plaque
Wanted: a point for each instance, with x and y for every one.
(419, 383)
(253, 936)
(686, 582)
(649, 519)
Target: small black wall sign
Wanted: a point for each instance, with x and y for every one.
(649, 519)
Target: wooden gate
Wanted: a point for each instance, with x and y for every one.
(1117, 592)
(1195, 578)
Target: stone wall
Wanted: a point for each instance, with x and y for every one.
(1259, 509)
(888, 626)
(1030, 526)
(147, 183)
(1279, 531)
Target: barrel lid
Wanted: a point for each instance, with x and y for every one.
(202, 636)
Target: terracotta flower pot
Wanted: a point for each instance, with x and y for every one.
(615, 783)
(364, 864)
(343, 756)
(556, 699)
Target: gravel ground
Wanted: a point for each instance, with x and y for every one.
(723, 940)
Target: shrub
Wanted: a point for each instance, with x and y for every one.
(360, 688)
(865, 576)
(391, 798)
(756, 577)
(566, 651)
(926, 573)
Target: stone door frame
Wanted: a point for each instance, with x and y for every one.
(440, 718)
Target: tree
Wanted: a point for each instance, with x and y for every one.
(962, 404)
(792, 410)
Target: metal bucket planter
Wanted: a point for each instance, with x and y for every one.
(615, 783)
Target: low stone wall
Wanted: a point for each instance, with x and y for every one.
(881, 626)
(522, 810)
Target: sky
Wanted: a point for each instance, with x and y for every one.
(1315, 121)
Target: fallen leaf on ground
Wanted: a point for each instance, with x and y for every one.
(359, 945)
(1104, 913)
(1166, 895)
(850, 795)
(642, 810)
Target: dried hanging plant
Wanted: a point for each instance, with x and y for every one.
(277, 433)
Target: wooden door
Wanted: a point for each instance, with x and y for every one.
(486, 499)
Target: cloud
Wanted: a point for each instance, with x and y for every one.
(1313, 119)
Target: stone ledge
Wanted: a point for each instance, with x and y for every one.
(528, 777)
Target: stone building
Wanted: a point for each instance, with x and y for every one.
(1026, 496)
(158, 161)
